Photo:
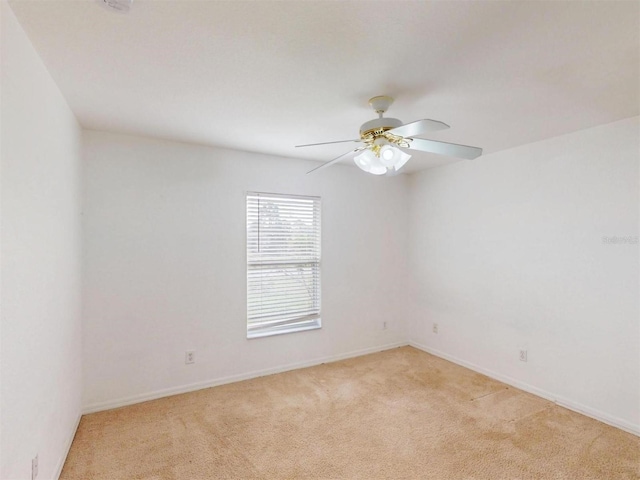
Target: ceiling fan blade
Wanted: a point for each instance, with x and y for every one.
(335, 160)
(443, 148)
(326, 143)
(416, 128)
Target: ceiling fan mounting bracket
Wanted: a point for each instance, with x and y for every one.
(380, 103)
(381, 124)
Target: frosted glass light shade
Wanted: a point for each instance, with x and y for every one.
(402, 159)
(377, 168)
(392, 157)
(388, 156)
(364, 160)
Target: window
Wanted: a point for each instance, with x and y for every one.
(283, 264)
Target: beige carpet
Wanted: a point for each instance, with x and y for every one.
(395, 414)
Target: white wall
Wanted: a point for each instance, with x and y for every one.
(40, 271)
(507, 253)
(165, 271)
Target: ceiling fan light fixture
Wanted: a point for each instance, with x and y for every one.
(401, 160)
(387, 155)
(363, 161)
(378, 168)
(370, 163)
(393, 158)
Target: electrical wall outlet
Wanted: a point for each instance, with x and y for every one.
(523, 355)
(435, 328)
(190, 357)
(34, 467)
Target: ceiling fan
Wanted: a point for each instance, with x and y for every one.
(384, 138)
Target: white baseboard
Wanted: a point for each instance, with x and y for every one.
(121, 402)
(563, 402)
(559, 400)
(68, 443)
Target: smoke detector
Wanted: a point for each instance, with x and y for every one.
(118, 6)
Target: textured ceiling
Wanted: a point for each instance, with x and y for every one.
(265, 76)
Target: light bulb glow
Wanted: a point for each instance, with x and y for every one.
(388, 156)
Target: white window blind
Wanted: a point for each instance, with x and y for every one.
(283, 263)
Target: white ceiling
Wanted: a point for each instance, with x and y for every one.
(265, 76)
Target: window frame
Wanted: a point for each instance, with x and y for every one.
(298, 324)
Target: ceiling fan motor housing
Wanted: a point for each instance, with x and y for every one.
(379, 124)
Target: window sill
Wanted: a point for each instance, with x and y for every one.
(280, 330)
